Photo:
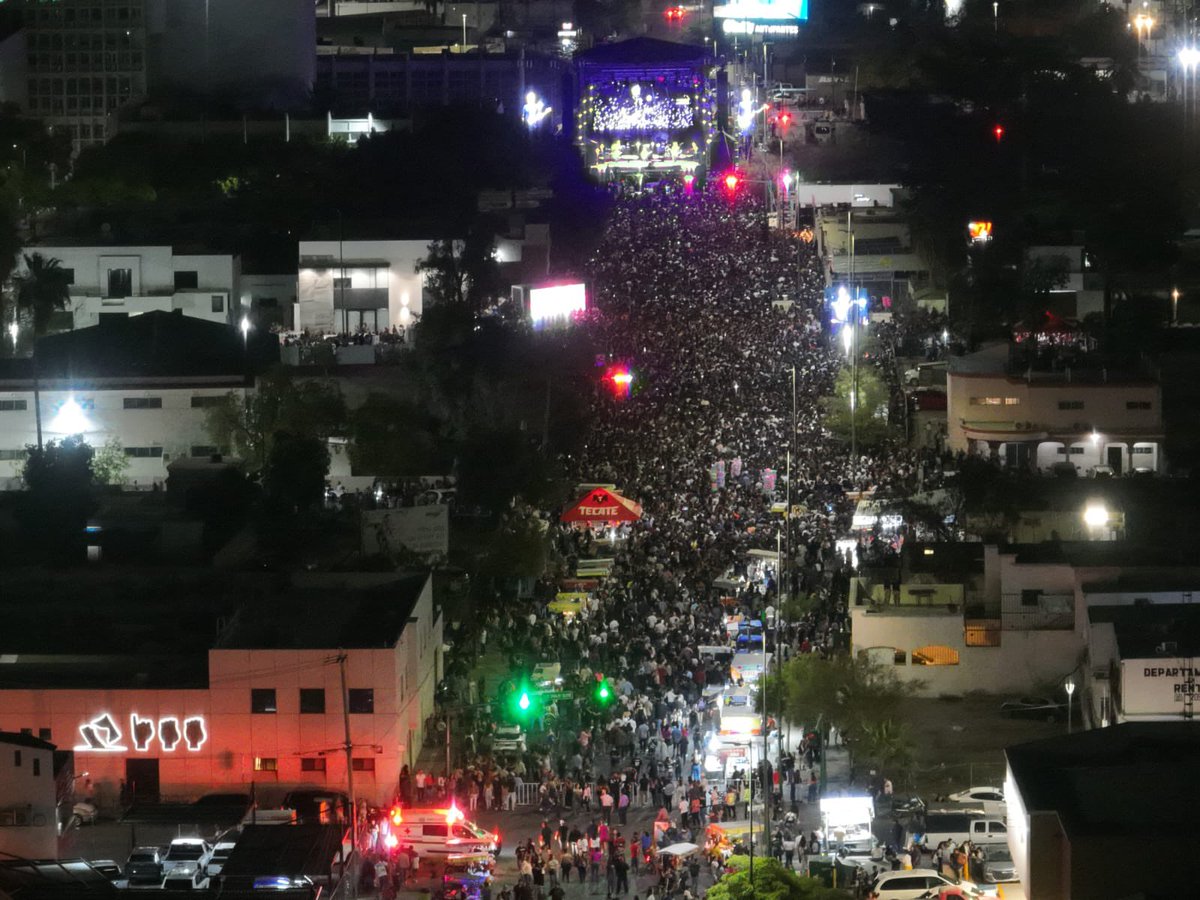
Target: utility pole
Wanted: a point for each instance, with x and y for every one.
(349, 776)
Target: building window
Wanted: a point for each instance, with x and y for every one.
(204, 451)
(362, 700)
(218, 302)
(1075, 451)
(1142, 450)
(208, 402)
(262, 700)
(14, 405)
(1031, 597)
(935, 656)
(995, 401)
(68, 276)
(900, 658)
(13, 455)
(143, 402)
(144, 452)
(363, 764)
(120, 283)
(341, 283)
(266, 764)
(44, 734)
(1137, 404)
(312, 764)
(312, 701)
(37, 767)
(186, 281)
(1070, 404)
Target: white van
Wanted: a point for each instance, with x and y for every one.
(441, 832)
(749, 667)
(935, 826)
(738, 718)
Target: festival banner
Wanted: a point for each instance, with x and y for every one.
(768, 479)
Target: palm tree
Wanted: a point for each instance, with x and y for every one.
(42, 289)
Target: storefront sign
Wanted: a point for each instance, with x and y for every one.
(1158, 687)
(102, 734)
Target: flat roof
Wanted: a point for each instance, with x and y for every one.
(1142, 629)
(329, 616)
(1136, 779)
(17, 739)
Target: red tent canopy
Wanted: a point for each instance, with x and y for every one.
(602, 505)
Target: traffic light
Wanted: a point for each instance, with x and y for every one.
(732, 181)
(674, 13)
(604, 693)
(523, 702)
(998, 131)
(784, 119)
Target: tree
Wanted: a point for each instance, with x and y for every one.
(42, 290)
(852, 694)
(10, 246)
(463, 272)
(772, 881)
(294, 476)
(860, 410)
(110, 463)
(303, 408)
(393, 437)
(58, 498)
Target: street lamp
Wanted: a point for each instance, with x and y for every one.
(1143, 24)
(464, 34)
(1174, 306)
(245, 327)
(1095, 515)
(1189, 58)
(1070, 688)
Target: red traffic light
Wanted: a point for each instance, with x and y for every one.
(784, 119)
(998, 131)
(731, 182)
(674, 13)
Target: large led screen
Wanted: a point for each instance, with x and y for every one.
(556, 303)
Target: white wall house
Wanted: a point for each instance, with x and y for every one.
(28, 822)
(348, 285)
(129, 281)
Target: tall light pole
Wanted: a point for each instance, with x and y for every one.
(464, 33)
(1070, 688)
(1174, 307)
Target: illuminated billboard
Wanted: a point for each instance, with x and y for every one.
(792, 11)
(556, 303)
(979, 232)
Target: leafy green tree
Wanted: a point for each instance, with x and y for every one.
(390, 436)
(860, 410)
(294, 477)
(463, 272)
(518, 549)
(42, 290)
(303, 408)
(58, 498)
(109, 464)
(772, 881)
(10, 246)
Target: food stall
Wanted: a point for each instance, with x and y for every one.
(846, 822)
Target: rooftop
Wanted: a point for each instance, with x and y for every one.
(151, 345)
(17, 739)
(1147, 631)
(330, 612)
(1144, 764)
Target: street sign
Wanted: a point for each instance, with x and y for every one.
(558, 695)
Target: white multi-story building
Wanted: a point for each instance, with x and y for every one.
(148, 382)
(128, 281)
(350, 285)
(28, 822)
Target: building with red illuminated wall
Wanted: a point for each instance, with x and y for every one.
(265, 706)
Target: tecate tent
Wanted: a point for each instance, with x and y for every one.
(602, 505)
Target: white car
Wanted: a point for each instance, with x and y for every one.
(916, 884)
(185, 850)
(989, 799)
(188, 876)
(508, 739)
(219, 856)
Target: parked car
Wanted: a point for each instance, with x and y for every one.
(508, 739)
(184, 850)
(1034, 708)
(998, 865)
(188, 876)
(917, 883)
(220, 855)
(109, 868)
(84, 813)
(989, 799)
(145, 866)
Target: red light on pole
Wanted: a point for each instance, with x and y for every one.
(784, 119)
(998, 131)
(731, 182)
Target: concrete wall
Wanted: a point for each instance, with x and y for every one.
(174, 429)
(27, 793)
(1023, 661)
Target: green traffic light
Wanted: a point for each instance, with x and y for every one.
(604, 692)
(523, 702)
